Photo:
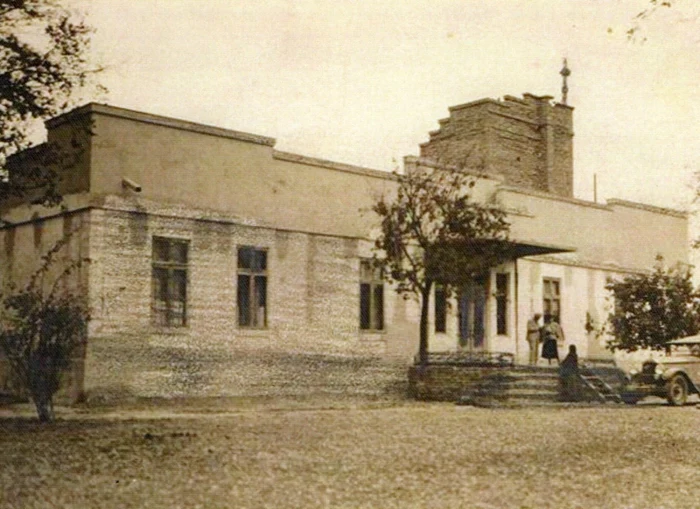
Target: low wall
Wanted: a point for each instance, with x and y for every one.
(448, 382)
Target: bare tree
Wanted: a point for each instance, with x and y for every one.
(676, 16)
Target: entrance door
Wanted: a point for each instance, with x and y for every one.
(472, 306)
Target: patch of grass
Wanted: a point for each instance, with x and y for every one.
(409, 456)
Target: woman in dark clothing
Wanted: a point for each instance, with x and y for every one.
(568, 376)
(549, 341)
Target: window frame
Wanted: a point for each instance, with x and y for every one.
(373, 278)
(551, 297)
(254, 274)
(173, 268)
(502, 297)
(440, 309)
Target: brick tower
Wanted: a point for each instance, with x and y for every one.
(528, 141)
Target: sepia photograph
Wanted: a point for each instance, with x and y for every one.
(349, 254)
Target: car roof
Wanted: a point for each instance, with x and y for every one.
(688, 340)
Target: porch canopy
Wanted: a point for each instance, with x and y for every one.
(473, 256)
(504, 248)
(520, 248)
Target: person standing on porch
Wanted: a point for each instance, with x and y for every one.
(558, 332)
(533, 336)
(552, 334)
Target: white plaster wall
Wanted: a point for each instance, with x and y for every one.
(582, 291)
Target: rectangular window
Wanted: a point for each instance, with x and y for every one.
(371, 297)
(169, 264)
(440, 309)
(551, 298)
(252, 287)
(502, 281)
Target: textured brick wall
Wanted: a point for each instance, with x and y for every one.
(445, 382)
(313, 302)
(138, 366)
(527, 141)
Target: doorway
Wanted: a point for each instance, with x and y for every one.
(471, 315)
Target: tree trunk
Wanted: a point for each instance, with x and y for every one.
(43, 383)
(44, 408)
(425, 306)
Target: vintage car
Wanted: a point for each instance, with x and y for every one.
(673, 376)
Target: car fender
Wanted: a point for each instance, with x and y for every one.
(671, 372)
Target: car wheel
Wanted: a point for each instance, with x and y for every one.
(677, 390)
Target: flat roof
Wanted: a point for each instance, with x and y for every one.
(149, 118)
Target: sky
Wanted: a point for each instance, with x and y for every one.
(363, 82)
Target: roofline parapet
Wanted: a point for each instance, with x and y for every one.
(149, 118)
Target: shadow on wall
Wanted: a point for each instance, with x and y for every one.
(115, 371)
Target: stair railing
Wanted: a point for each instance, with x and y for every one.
(585, 374)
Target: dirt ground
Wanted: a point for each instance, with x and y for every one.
(370, 455)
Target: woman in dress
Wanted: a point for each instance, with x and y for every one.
(549, 340)
(568, 376)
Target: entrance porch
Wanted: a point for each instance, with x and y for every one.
(490, 312)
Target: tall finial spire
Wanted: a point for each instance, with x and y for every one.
(565, 73)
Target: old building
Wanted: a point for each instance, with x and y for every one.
(208, 242)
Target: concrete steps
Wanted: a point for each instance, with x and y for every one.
(534, 386)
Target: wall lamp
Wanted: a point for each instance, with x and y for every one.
(127, 183)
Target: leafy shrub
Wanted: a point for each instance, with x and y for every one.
(40, 330)
(652, 309)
